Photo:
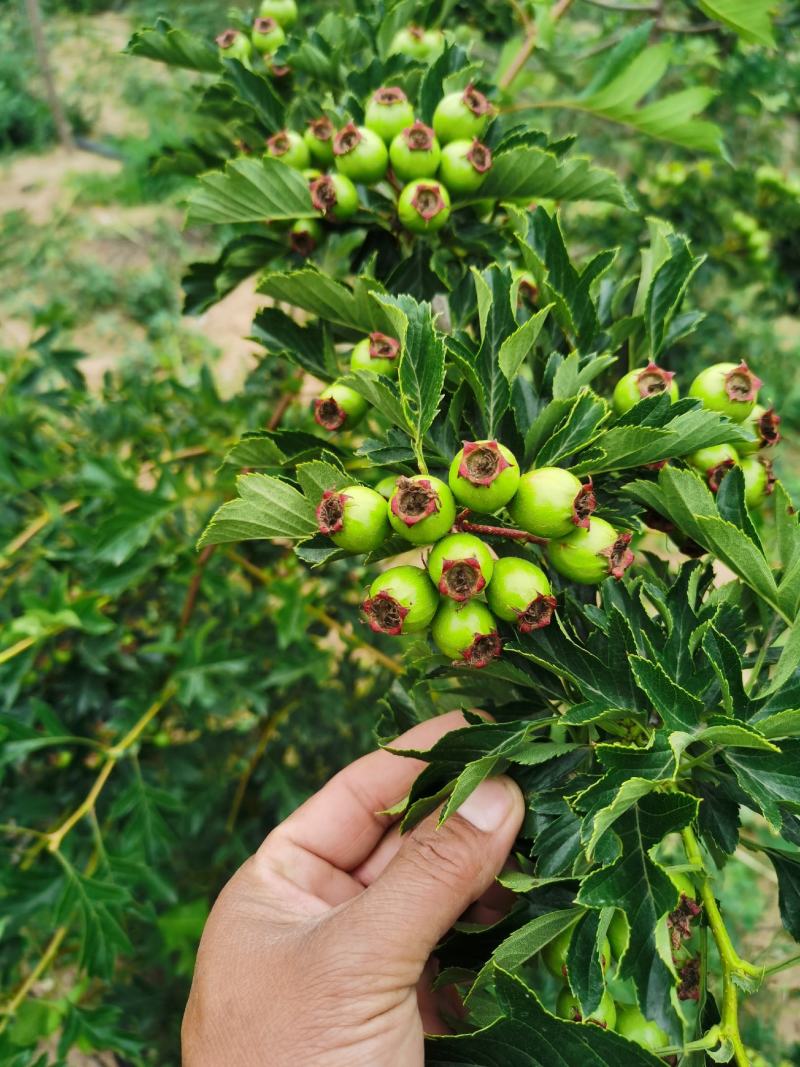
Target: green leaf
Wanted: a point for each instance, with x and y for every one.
(666, 291)
(769, 778)
(583, 425)
(306, 346)
(256, 91)
(787, 868)
(751, 19)
(532, 172)
(251, 190)
(531, 938)
(178, 48)
(266, 508)
(381, 392)
(789, 660)
(497, 323)
(317, 476)
(330, 300)
(678, 708)
(516, 347)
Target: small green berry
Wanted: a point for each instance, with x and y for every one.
(388, 112)
(484, 476)
(460, 566)
(461, 116)
(415, 152)
(360, 154)
(267, 36)
(377, 353)
(304, 236)
(568, 1007)
(421, 509)
(339, 407)
(466, 633)
(290, 148)
(632, 1025)
(386, 486)
(638, 384)
(417, 43)
(464, 166)
(318, 137)
(335, 196)
(763, 425)
(550, 502)
(519, 592)
(714, 462)
(283, 11)
(423, 206)
(354, 518)
(759, 480)
(401, 601)
(235, 45)
(729, 388)
(590, 554)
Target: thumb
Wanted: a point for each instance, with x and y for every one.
(437, 873)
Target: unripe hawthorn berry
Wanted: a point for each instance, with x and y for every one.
(311, 174)
(304, 236)
(618, 935)
(283, 11)
(417, 43)
(484, 476)
(339, 407)
(377, 353)
(554, 953)
(290, 148)
(714, 463)
(759, 480)
(233, 44)
(335, 196)
(354, 518)
(460, 566)
(415, 152)
(550, 502)
(590, 554)
(423, 206)
(466, 633)
(464, 166)
(388, 112)
(461, 116)
(520, 593)
(605, 1014)
(527, 289)
(421, 509)
(318, 137)
(729, 388)
(360, 154)
(633, 1025)
(402, 600)
(267, 36)
(763, 425)
(386, 486)
(638, 384)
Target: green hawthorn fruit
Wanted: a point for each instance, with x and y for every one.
(527, 289)
(354, 518)
(683, 884)
(590, 554)
(417, 43)
(762, 424)
(466, 633)
(304, 236)
(714, 463)
(461, 116)
(235, 45)
(632, 1025)
(759, 480)
(460, 566)
(421, 509)
(484, 476)
(401, 601)
(377, 353)
(283, 11)
(729, 388)
(638, 384)
(618, 934)
(267, 36)
(388, 112)
(311, 174)
(335, 196)
(360, 154)
(290, 148)
(318, 137)
(520, 593)
(464, 166)
(554, 953)
(423, 206)
(550, 502)
(386, 486)
(415, 152)
(339, 407)
(605, 1014)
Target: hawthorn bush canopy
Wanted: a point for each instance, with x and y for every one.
(520, 439)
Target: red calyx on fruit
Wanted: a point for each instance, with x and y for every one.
(527, 292)
(265, 25)
(414, 501)
(482, 463)
(483, 650)
(741, 383)
(583, 505)
(619, 555)
(714, 475)
(476, 101)
(322, 128)
(330, 512)
(428, 201)
(680, 920)
(654, 380)
(279, 144)
(302, 242)
(418, 137)
(480, 156)
(389, 94)
(323, 194)
(384, 614)
(461, 578)
(538, 614)
(381, 346)
(689, 987)
(348, 138)
(226, 38)
(768, 428)
(769, 467)
(328, 413)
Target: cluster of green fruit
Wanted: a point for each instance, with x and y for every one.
(624, 1018)
(426, 166)
(732, 390)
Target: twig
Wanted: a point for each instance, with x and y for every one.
(17, 649)
(53, 99)
(526, 48)
(267, 733)
(32, 530)
(462, 525)
(194, 588)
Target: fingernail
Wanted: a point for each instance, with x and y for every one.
(489, 805)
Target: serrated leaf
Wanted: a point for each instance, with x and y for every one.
(317, 476)
(751, 19)
(165, 44)
(666, 291)
(527, 171)
(517, 345)
(787, 868)
(266, 508)
(381, 392)
(251, 190)
(328, 299)
(583, 425)
(305, 346)
(769, 778)
(256, 91)
(677, 707)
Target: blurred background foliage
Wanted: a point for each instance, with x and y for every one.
(114, 413)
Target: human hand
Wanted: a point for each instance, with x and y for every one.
(317, 952)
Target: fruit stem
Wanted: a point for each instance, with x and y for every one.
(462, 525)
(707, 1041)
(732, 965)
(529, 43)
(776, 968)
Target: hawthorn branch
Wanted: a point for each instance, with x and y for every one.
(267, 733)
(529, 43)
(463, 525)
